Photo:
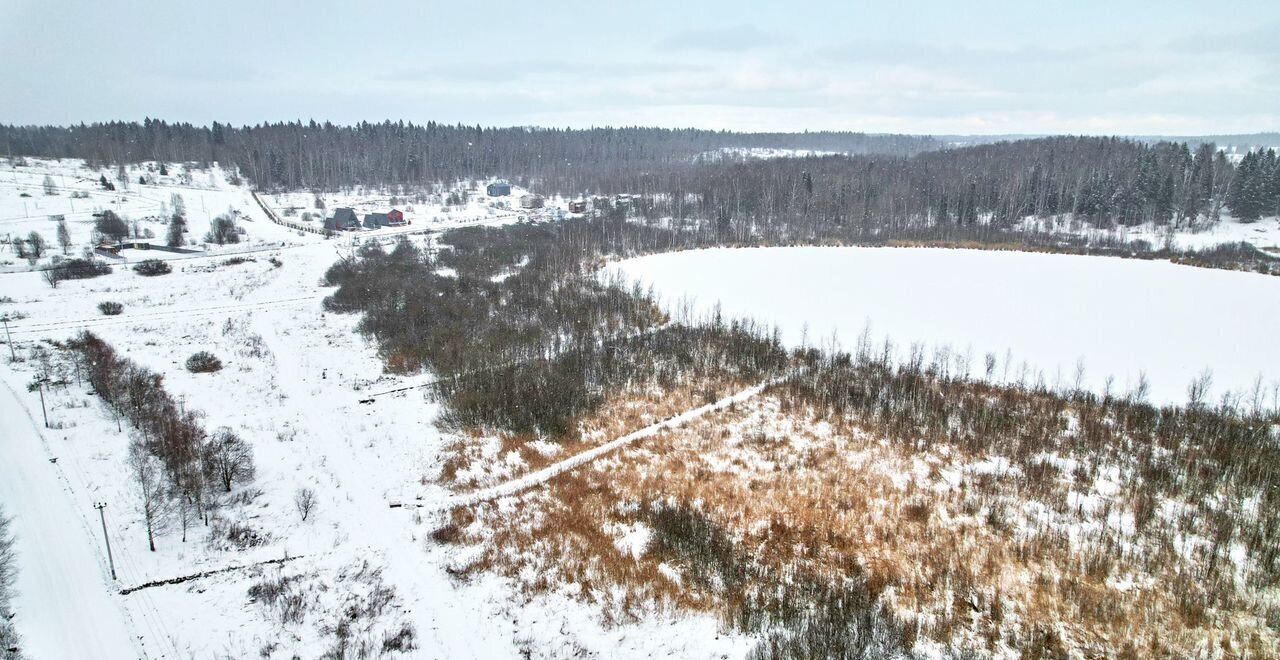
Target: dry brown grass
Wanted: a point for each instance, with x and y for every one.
(987, 560)
(489, 459)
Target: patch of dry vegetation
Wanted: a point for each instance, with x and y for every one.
(476, 460)
(1047, 538)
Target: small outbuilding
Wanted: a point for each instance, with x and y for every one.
(499, 189)
(531, 202)
(578, 206)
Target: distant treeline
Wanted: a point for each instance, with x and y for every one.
(296, 155)
(881, 186)
(1103, 180)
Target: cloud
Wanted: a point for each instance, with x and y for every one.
(734, 39)
(1258, 40)
(513, 71)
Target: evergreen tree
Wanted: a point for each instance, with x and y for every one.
(177, 227)
(112, 226)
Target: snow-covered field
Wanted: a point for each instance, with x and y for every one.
(291, 386)
(1040, 315)
(26, 207)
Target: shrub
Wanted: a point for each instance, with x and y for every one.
(152, 267)
(400, 641)
(223, 230)
(81, 269)
(305, 501)
(110, 308)
(203, 362)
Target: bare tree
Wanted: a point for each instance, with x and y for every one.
(1198, 390)
(49, 187)
(52, 276)
(228, 459)
(153, 500)
(36, 245)
(305, 501)
(64, 235)
(9, 641)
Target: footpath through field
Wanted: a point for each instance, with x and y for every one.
(541, 476)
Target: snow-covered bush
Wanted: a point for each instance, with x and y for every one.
(203, 362)
(152, 267)
(110, 308)
(81, 269)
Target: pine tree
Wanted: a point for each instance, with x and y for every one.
(177, 227)
(1275, 190)
(112, 226)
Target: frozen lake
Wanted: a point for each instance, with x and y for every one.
(1053, 313)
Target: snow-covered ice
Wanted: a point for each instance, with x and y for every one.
(1116, 317)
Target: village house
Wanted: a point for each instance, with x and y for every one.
(343, 219)
(531, 202)
(392, 218)
(578, 206)
(499, 189)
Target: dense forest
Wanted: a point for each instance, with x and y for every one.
(1102, 180)
(878, 187)
(297, 155)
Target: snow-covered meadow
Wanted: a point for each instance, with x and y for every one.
(1040, 315)
(291, 385)
(143, 197)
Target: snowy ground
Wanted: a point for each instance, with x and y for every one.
(426, 208)
(1042, 313)
(291, 384)
(206, 193)
(1263, 234)
(760, 153)
(294, 377)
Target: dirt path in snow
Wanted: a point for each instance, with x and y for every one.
(543, 475)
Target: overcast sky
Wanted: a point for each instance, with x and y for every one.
(944, 66)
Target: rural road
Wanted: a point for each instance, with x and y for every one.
(65, 605)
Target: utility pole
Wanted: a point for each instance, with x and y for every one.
(101, 507)
(38, 385)
(8, 337)
(43, 411)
